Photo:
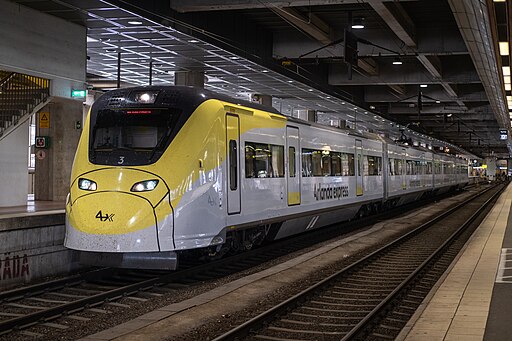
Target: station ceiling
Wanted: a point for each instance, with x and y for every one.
(451, 84)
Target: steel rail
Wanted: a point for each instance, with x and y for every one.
(256, 322)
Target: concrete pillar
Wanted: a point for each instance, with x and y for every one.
(262, 99)
(43, 45)
(14, 167)
(491, 168)
(189, 78)
(53, 167)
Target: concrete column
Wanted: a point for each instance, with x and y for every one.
(53, 171)
(189, 78)
(491, 168)
(262, 99)
(14, 167)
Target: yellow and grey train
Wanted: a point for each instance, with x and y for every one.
(162, 171)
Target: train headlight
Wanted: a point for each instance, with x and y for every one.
(86, 184)
(145, 97)
(144, 186)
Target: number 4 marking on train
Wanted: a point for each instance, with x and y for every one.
(101, 217)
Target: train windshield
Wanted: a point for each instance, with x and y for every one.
(145, 132)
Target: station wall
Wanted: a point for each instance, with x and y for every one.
(14, 167)
(42, 45)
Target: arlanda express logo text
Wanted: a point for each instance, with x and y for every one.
(330, 191)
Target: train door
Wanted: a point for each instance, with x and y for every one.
(233, 163)
(293, 178)
(422, 170)
(359, 165)
(403, 171)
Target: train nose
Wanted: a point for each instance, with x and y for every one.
(111, 222)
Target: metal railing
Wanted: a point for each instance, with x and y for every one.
(19, 95)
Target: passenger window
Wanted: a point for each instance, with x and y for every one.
(326, 163)
(263, 160)
(307, 163)
(374, 165)
(233, 165)
(277, 161)
(291, 161)
(335, 163)
(350, 164)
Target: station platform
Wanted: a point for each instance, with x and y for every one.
(473, 300)
(33, 208)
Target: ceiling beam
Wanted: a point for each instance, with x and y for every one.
(398, 21)
(184, 6)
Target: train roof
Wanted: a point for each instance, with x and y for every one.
(186, 97)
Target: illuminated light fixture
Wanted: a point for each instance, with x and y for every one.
(506, 79)
(310, 90)
(506, 70)
(290, 81)
(193, 41)
(504, 48)
(357, 23)
(508, 87)
(135, 22)
(234, 57)
(397, 61)
(87, 185)
(144, 186)
(264, 71)
(499, 0)
(145, 97)
(91, 40)
(438, 101)
(372, 107)
(423, 85)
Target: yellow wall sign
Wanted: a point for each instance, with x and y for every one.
(44, 119)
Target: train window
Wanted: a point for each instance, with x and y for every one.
(326, 163)
(336, 164)
(418, 170)
(373, 165)
(233, 165)
(263, 160)
(390, 167)
(291, 164)
(145, 132)
(348, 164)
(429, 168)
(277, 161)
(256, 160)
(307, 162)
(398, 167)
(437, 167)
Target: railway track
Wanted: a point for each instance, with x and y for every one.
(45, 303)
(373, 298)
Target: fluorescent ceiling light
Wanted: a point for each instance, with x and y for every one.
(357, 23)
(508, 87)
(506, 79)
(504, 48)
(91, 40)
(397, 61)
(135, 22)
(506, 70)
(423, 85)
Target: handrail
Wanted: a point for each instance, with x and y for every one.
(19, 95)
